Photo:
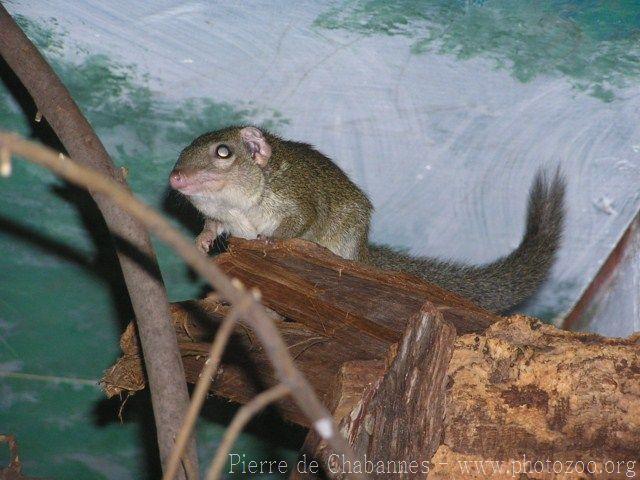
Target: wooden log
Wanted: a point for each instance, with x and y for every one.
(329, 311)
(308, 284)
(519, 390)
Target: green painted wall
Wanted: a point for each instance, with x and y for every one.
(62, 302)
(593, 43)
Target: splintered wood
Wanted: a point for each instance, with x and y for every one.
(510, 395)
(395, 427)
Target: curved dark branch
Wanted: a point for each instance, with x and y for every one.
(146, 290)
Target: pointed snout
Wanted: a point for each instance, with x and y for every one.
(178, 180)
(191, 181)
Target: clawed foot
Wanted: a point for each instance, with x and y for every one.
(212, 229)
(266, 239)
(204, 241)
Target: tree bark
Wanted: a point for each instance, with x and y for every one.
(307, 283)
(139, 266)
(525, 392)
(522, 400)
(245, 369)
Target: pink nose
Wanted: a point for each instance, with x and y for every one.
(177, 179)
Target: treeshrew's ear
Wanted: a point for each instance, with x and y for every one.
(257, 145)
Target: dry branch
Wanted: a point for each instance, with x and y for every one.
(148, 297)
(209, 371)
(252, 311)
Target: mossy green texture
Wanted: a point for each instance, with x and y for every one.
(595, 44)
(62, 299)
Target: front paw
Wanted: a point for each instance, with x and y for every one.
(204, 241)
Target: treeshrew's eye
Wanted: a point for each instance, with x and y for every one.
(222, 151)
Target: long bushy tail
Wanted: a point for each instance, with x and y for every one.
(509, 280)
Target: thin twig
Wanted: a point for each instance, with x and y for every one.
(52, 378)
(254, 313)
(202, 387)
(238, 423)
